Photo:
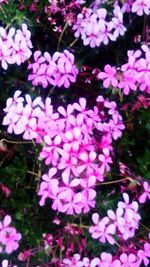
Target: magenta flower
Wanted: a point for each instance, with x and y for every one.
(108, 76)
(127, 83)
(105, 160)
(102, 230)
(8, 235)
(143, 254)
(146, 193)
(12, 241)
(58, 70)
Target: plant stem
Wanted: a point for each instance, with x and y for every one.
(145, 227)
(72, 44)
(79, 225)
(60, 37)
(117, 181)
(15, 142)
(34, 173)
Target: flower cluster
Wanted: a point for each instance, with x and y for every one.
(79, 159)
(95, 29)
(78, 156)
(123, 222)
(133, 75)
(58, 70)
(15, 46)
(8, 236)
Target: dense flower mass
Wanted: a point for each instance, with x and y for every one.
(58, 70)
(9, 237)
(78, 157)
(95, 29)
(133, 75)
(15, 46)
(123, 222)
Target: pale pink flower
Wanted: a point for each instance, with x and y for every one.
(140, 7)
(102, 230)
(117, 219)
(15, 46)
(106, 259)
(128, 260)
(146, 193)
(106, 34)
(119, 28)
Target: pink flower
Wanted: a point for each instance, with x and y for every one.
(74, 205)
(119, 28)
(12, 241)
(15, 46)
(143, 254)
(4, 227)
(58, 70)
(127, 83)
(105, 160)
(117, 219)
(140, 7)
(102, 230)
(108, 76)
(128, 260)
(69, 145)
(146, 194)
(93, 27)
(106, 33)
(49, 186)
(106, 259)
(8, 235)
(130, 216)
